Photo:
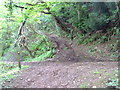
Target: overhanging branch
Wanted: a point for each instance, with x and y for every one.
(20, 7)
(33, 5)
(46, 12)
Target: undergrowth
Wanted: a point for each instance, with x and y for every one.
(113, 82)
(8, 71)
(41, 48)
(98, 38)
(41, 57)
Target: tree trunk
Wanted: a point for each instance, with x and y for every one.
(28, 51)
(21, 27)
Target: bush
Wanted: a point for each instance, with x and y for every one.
(41, 48)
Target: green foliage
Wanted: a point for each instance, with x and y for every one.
(48, 54)
(113, 82)
(42, 48)
(93, 50)
(47, 23)
(83, 86)
(79, 42)
(96, 21)
(8, 71)
(117, 31)
(100, 38)
(79, 18)
(97, 72)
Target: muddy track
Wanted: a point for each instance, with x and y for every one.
(66, 70)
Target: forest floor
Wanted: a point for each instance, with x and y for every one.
(70, 68)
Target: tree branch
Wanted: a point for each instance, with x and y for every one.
(20, 6)
(46, 12)
(33, 5)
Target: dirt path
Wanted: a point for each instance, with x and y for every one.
(66, 70)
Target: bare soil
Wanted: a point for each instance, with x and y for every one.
(71, 68)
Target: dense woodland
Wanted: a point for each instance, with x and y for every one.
(20, 20)
(22, 23)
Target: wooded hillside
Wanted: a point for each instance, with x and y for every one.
(35, 30)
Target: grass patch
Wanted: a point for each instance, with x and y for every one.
(84, 86)
(66, 48)
(42, 57)
(8, 71)
(97, 72)
(113, 81)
